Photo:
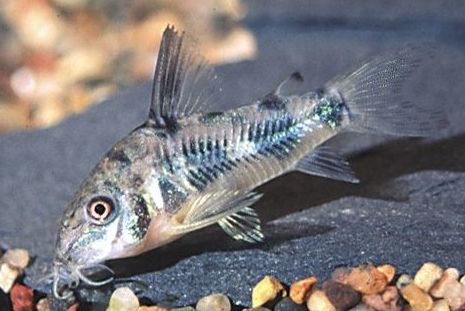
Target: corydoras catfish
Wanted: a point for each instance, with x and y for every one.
(192, 164)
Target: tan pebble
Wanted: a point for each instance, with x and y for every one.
(43, 305)
(300, 290)
(267, 290)
(427, 275)
(440, 305)
(388, 270)
(340, 275)
(448, 278)
(8, 276)
(416, 297)
(403, 281)
(123, 299)
(18, 258)
(318, 301)
(455, 295)
(214, 302)
(367, 280)
(152, 308)
(462, 280)
(388, 300)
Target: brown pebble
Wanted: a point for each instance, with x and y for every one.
(300, 290)
(427, 275)
(440, 305)
(73, 307)
(341, 296)
(18, 258)
(8, 276)
(340, 275)
(416, 297)
(318, 301)
(388, 270)
(214, 302)
(43, 305)
(22, 298)
(388, 300)
(367, 279)
(448, 278)
(267, 290)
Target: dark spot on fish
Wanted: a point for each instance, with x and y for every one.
(143, 216)
(172, 125)
(161, 134)
(272, 101)
(329, 111)
(118, 155)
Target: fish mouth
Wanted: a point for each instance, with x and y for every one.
(67, 276)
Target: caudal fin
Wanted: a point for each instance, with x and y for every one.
(372, 95)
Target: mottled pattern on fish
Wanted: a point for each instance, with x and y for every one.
(192, 164)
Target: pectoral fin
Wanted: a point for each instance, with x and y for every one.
(223, 207)
(324, 162)
(243, 225)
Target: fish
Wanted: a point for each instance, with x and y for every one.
(195, 163)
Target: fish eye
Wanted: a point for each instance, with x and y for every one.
(100, 209)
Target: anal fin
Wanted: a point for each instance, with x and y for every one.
(324, 162)
(243, 225)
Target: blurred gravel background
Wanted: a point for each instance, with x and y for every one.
(408, 209)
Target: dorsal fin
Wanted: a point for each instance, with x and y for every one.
(183, 82)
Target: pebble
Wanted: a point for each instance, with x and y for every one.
(288, 305)
(388, 270)
(416, 297)
(266, 290)
(22, 298)
(448, 279)
(300, 290)
(440, 305)
(73, 307)
(8, 276)
(403, 281)
(17, 258)
(341, 296)
(214, 302)
(362, 307)
(367, 280)
(318, 301)
(427, 276)
(152, 308)
(43, 305)
(255, 309)
(388, 300)
(183, 309)
(123, 299)
(340, 275)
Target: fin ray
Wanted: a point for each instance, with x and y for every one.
(243, 225)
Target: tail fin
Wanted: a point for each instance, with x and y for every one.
(372, 95)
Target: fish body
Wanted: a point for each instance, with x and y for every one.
(191, 165)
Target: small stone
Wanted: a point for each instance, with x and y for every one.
(318, 301)
(300, 290)
(8, 276)
(367, 280)
(427, 275)
(43, 305)
(340, 275)
(22, 298)
(388, 300)
(152, 308)
(440, 305)
(288, 305)
(123, 299)
(73, 307)
(342, 296)
(416, 297)
(183, 309)
(362, 307)
(214, 302)
(266, 290)
(403, 281)
(255, 309)
(18, 258)
(448, 279)
(462, 280)
(388, 270)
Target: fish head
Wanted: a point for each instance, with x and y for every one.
(107, 218)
